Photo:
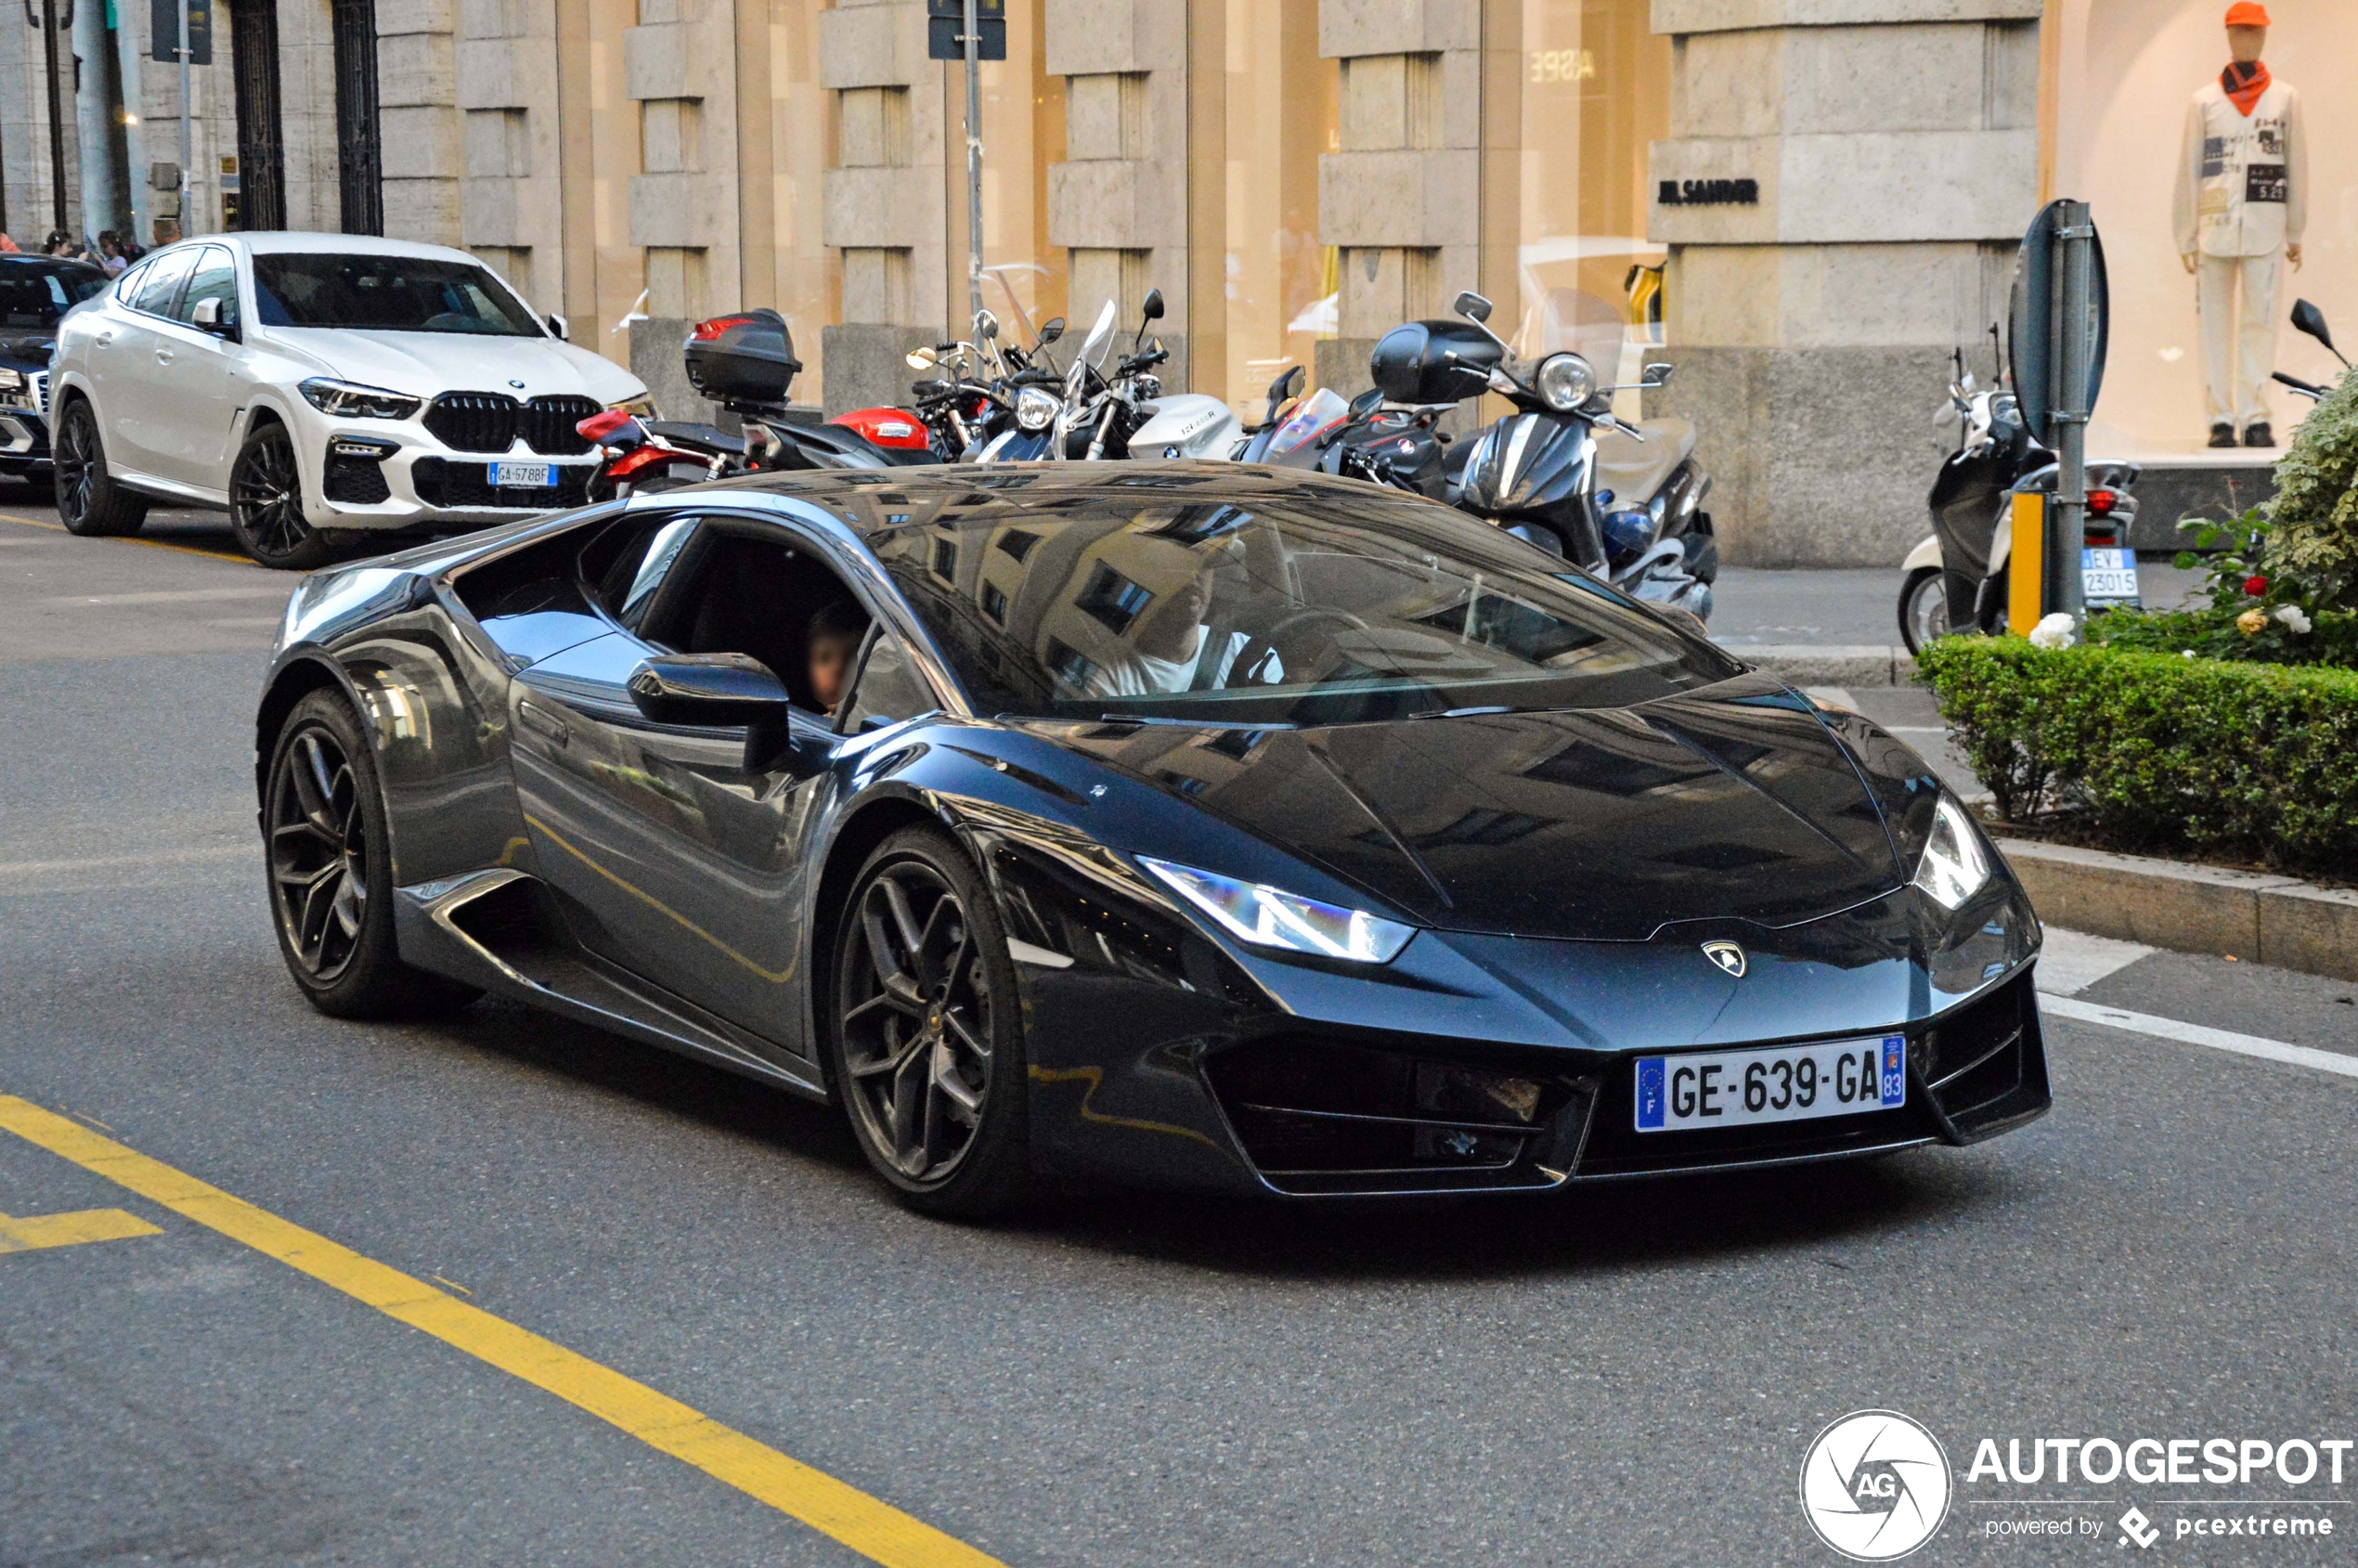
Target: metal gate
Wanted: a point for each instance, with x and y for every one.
(262, 154)
(359, 135)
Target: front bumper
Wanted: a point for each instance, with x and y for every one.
(1490, 1064)
(24, 428)
(397, 474)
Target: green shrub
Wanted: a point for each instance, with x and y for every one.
(2313, 532)
(2160, 752)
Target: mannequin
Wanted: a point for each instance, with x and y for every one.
(2241, 206)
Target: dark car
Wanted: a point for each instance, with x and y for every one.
(35, 293)
(1181, 824)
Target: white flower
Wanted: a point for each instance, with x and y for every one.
(2291, 615)
(2055, 631)
(2185, 653)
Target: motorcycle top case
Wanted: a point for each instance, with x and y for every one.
(742, 358)
(1434, 361)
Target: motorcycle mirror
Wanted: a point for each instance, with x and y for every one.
(1659, 374)
(986, 325)
(1367, 403)
(921, 359)
(2306, 318)
(1471, 305)
(1286, 386)
(1051, 329)
(1152, 309)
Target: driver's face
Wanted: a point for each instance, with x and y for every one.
(1170, 630)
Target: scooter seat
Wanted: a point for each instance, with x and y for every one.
(1634, 470)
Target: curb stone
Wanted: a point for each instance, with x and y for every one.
(1828, 664)
(2253, 915)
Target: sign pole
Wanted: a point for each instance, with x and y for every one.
(2075, 236)
(187, 192)
(56, 123)
(974, 161)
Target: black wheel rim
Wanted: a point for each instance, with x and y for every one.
(263, 490)
(76, 462)
(917, 1023)
(319, 853)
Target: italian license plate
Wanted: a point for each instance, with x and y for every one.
(2109, 576)
(1702, 1089)
(524, 475)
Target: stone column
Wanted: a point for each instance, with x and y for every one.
(1892, 150)
(883, 203)
(417, 106)
(1118, 203)
(1402, 199)
(680, 63)
(509, 197)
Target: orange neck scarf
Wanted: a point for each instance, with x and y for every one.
(2243, 84)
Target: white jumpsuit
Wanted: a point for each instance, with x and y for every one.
(2242, 197)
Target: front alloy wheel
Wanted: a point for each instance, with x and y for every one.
(266, 504)
(928, 1055)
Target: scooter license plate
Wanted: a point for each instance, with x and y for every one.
(2109, 576)
(523, 475)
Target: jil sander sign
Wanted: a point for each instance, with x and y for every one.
(1708, 193)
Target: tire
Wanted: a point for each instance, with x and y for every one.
(329, 860)
(266, 504)
(1924, 608)
(924, 1034)
(89, 502)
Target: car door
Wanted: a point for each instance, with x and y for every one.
(133, 401)
(671, 856)
(200, 376)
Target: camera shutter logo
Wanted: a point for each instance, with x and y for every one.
(1875, 1485)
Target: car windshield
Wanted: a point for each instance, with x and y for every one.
(387, 294)
(1309, 610)
(34, 295)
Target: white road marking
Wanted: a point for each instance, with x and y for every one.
(2069, 962)
(2196, 1034)
(173, 596)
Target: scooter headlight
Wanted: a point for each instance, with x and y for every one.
(1564, 382)
(1036, 409)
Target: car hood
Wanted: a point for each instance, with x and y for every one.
(1603, 824)
(426, 364)
(30, 346)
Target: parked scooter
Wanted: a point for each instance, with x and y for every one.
(1621, 501)
(1957, 579)
(2306, 318)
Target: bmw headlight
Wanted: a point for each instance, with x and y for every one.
(346, 400)
(1564, 382)
(1953, 865)
(1036, 409)
(1252, 912)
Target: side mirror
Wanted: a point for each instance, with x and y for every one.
(1365, 406)
(558, 330)
(1285, 388)
(1658, 374)
(214, 316)
(986, 326)
(2306, 318)
(921, 357)
(1051, 329)
(719, 689)
(1471, 305)
(1152, 309)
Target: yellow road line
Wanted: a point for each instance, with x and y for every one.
(875, 1529)
(37, 1231)
(222, 555)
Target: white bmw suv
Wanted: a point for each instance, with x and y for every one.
(318, 383)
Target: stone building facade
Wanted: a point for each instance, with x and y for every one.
(1827, 192)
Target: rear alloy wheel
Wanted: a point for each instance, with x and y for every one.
(89, 502)
(927, 1038)
(1924, 608)
(330, 882)
(266, 504)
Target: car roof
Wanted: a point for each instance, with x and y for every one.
(274, 242)
(50, 264)
(953, 495)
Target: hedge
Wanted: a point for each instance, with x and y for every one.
(2144, 751)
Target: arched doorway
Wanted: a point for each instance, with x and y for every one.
(360, 133)
(262, 156)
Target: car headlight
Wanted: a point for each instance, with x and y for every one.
(1564, 382)
(1036, 409)
(640, 407)
(347, 400)
(11, 381)
(1953, 865)
(1252, 912)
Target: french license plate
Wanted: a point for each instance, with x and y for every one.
(2109, 576)
(523, 475)
(1703, 1089)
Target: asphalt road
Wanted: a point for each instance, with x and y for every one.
(1625, 1376)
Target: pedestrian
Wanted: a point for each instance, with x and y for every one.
(60, 246)
(8, 246)
(111, 254)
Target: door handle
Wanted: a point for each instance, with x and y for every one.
(545, 723)
(163, 357)
(104, 338)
